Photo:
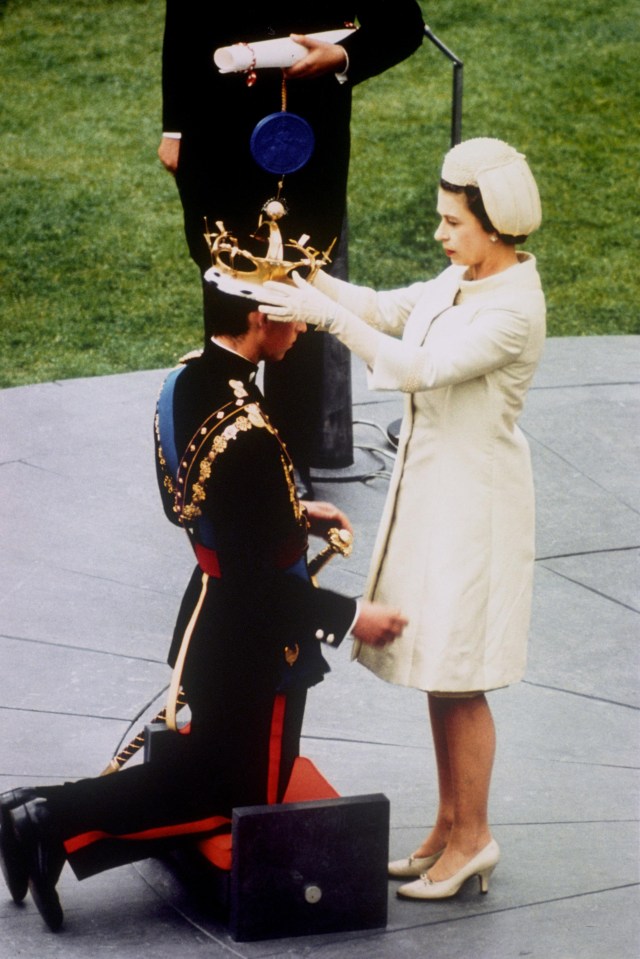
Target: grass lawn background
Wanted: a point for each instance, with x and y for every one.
(95, 276)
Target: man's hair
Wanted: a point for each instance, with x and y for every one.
(225, 314)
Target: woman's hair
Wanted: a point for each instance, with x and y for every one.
(475, 204)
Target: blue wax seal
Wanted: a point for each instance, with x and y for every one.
(282, 143)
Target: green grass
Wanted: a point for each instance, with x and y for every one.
(94, 273)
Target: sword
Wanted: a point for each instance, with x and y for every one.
(137, 742)
(338, 541)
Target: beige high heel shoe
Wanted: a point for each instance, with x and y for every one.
(412, 866)
(482, 866)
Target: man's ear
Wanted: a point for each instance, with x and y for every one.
(257, 320)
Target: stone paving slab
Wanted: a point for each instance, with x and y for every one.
(90, 579)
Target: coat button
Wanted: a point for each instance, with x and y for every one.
(331, 638)
(319, 634)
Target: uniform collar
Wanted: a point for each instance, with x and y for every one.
(238, 366)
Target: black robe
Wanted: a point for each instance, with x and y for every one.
(216, 113)
(218, 178)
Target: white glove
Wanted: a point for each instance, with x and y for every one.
(304, 303)
(297, 304)
(360, 300)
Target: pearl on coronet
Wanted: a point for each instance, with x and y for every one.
(274, 209)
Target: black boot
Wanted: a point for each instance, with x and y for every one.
(13, 862)
(44, 853)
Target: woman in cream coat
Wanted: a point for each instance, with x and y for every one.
(455, 547)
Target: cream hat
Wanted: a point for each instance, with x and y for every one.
(502, 175)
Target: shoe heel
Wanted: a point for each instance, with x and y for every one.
(484, 877)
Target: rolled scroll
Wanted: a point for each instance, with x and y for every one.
(282, 52)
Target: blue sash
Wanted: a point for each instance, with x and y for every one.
(202, 526)
(166, 431)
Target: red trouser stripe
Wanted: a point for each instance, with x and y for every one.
(275, 747)
(202, 825)
(162, 832)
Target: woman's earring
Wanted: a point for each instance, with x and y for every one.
(494, 238)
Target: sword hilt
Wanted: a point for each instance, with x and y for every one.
(338, 541)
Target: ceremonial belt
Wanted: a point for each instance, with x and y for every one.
(207, 560)
(287, 557)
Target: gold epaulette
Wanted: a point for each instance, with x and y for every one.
(188, 357)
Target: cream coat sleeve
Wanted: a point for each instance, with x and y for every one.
(495, 338)
(370, 323)
(367, 319)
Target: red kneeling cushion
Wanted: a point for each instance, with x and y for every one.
(306, 783)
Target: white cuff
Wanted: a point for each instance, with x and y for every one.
(172, 136)
(355, 618)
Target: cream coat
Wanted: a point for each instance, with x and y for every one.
(455, 547)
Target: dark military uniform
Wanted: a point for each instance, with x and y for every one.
(253, 618)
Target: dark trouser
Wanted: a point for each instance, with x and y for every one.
(140, 811)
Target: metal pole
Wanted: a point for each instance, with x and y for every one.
(456, 98)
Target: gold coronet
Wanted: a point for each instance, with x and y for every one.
(239, 271)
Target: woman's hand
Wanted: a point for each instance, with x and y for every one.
(378, 625)
(304, 303)
(300, 303)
